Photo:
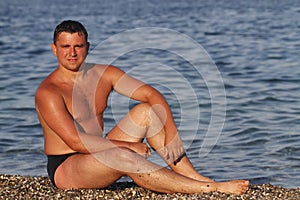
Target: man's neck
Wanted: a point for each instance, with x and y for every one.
(67, 75)
(70, 77)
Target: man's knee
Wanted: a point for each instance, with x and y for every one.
(150, 113)
(143, 108)
(155, 118)
(142, 114)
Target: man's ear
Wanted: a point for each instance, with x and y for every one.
(53, 49)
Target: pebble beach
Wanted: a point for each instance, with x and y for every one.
(27, 187)
(254, 46)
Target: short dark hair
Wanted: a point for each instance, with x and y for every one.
(69, 26)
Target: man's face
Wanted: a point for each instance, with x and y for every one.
(71, 50)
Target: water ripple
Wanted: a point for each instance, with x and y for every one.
(255, 45)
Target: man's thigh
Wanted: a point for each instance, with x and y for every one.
(128, 128)
(86, 171)
(118, 133)
(131, 128)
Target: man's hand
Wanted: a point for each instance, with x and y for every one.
(140, 148)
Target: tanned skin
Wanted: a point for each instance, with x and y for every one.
(70, 104)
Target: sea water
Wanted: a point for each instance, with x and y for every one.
(238, 118)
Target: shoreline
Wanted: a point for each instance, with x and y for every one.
(27, 187)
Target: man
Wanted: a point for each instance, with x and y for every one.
(70, 103)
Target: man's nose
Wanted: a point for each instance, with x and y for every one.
(72, 51)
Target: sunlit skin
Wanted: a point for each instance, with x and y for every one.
(71, 51)
(103, 160)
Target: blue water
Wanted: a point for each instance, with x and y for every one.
(254, 44)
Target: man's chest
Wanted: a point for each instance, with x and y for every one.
(86, 103)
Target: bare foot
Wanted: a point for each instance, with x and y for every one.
(203, 179)
(234, 186)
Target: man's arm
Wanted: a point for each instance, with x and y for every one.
(137, 90)
(54, 113)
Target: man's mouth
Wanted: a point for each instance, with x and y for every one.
(72, 60)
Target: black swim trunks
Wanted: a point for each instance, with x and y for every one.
(53, 163)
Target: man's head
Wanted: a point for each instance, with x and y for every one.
(70, 44)
(69, 26)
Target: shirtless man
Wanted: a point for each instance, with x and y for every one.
(70, 103)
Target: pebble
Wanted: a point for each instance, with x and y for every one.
(26, 187)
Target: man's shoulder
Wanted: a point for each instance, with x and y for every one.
(109, 69)
(100, 67)
(105, 71)
(47, 87)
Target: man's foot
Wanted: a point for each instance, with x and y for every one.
(203, 178)
(234, 186)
